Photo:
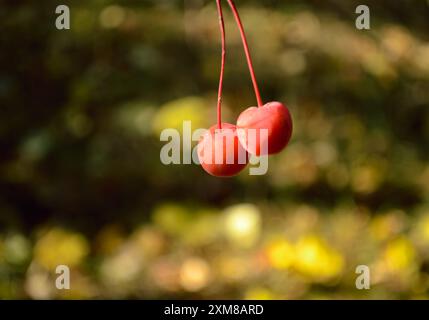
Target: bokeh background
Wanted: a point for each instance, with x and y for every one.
(81, 182)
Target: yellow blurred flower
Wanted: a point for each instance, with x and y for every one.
(173, 114)
(397, 42)
(232, 268)
(367, 178)
(399, 255)
(172, 218)
(315, 259)
(58, 246)
(281, 254)
(243, 224)
(259, 294)
(38, 284)
(384, 226)
(150, 241)
(194, 274)
(17, 249)
(123, 267)
(112, 16)
(423, 228)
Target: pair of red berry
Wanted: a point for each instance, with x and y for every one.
(272, 117)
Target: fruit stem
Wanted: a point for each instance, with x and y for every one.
(247, 52)
(222, 69)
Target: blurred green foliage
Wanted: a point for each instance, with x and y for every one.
(81, 182)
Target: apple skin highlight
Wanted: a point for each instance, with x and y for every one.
(222, 144)
(275, 118)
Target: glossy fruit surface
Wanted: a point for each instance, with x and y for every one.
(220, 152)
(275, 118)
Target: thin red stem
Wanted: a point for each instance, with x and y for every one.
(247, 52)
(222, 69)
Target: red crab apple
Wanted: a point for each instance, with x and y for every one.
(275, 118)
(220, 152)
